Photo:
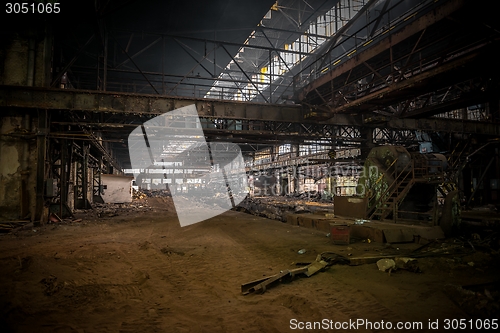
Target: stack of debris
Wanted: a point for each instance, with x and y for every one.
(277, 208)
(111, 210)
(106, 210)
(409, 264)
(264, 207)
(138, 194)
(323, 261)
(156, 193)
(8, 226)
(101, 210)
(479, 300)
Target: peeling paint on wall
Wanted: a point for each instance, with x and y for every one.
(10, 160)
(9, 181)
(16, 58)
(17, 160)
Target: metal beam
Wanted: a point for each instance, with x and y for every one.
(481, 178)
(244, 73)
(392, 39)
(340, 33)
(71, 62)
(133, 62)
(445, 125)
(379, 18)
(151, 105)
(220, 42)
(419, 80)
(144, 49)
(113, 102)
(198, 62)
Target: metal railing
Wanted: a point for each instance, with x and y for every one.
(400, 176)
(352, 45)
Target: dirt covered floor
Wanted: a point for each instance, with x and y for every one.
(137, 270)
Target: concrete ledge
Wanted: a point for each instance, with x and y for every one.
(395, 233)
(322, 219)
(311, 221)
(381, 232)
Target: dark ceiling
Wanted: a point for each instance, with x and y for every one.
(148, 41)
(168, 16)
(156, 37)
(149, 36)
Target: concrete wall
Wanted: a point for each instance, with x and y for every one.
(117, 189)
(17, 167)
(25, 60)
(25, 57)
(15, 67)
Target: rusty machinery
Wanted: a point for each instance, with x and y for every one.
(401, 185)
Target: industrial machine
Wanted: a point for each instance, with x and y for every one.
(401, 185)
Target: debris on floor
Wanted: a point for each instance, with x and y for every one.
(156, 193)
(9, 226)
(277, 208)
(386, 264)
(107, 210)
(389, 265)
(51, 285)
(138, 194)
(479, 301)
(453, 255)
(408, 264)
(322, 261)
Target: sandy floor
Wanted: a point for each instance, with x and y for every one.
(142, 272)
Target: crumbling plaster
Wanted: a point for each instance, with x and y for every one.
(17, 159)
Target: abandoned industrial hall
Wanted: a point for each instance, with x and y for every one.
(249, 166)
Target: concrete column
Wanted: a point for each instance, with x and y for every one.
(25, 170)
(42, 132)
(85, 175)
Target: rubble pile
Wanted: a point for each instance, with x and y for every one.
(261, 208)
(199, 203)
(143, 193)
(276, 208)
(9, 226)
(110, 210)
(481, 301)
(102, 210)
(138, 194)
